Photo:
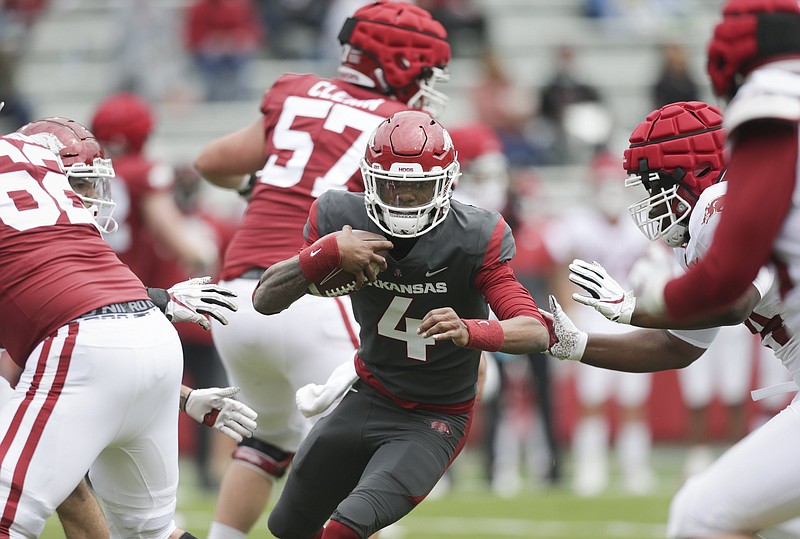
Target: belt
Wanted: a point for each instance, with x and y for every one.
(254, 273)
(125, 309)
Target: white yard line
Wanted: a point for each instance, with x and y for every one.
(499, 527)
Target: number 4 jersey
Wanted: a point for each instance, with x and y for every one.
(461, 263)
(56, 266)
(316, 131)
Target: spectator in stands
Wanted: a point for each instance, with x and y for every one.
(223, 36)
(561, 99)
(675, 82)
(293, 27)
(508, 109)
(638, 16)
(149, 57)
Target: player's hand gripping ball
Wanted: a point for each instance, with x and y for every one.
(340, 282)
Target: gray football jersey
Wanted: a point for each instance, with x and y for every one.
(439, 271)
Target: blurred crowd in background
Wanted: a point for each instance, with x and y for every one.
(540, 421)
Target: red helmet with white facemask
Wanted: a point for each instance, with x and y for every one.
(82, 157)
(676, 153)
(398, 49)
(408, 171)
(751, 33)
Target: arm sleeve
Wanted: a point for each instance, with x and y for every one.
(505, 294)
(761, 181)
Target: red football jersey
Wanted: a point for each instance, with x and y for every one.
(56, 266)
(316, 133)
(137, 178)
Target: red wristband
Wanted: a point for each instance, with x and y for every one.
(320, 259)
(487, 335)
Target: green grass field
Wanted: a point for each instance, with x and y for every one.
(471, 511)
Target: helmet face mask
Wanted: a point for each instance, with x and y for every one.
(93, 185)
(664, 213)
(408, 169)
(398, 49)
(83, 162)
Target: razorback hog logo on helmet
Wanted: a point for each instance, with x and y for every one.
(751, 33)
(399, 49)
(440, 426)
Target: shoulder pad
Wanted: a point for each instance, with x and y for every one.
(769, 93)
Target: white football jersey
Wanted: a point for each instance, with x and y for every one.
(766, 318)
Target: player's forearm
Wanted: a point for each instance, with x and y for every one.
(732, 315)
(644, 350)
(524, 335)
(281, 285)
(226, 160)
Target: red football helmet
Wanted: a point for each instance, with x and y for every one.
(751, 32)
(408, 171)
(123, 122)
(676, 153)
(84, 163)
(398, 49)
(483, 164)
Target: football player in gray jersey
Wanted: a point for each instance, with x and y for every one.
(423, 312)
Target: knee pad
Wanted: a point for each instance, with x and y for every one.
(266, 458)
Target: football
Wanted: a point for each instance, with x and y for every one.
(340, 282)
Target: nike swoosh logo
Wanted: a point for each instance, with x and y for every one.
(432, 273)
(315, 251)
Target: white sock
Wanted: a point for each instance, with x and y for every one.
(222, 531)
(633, 445)
(590, 453)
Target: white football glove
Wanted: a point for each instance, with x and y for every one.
(214, 408)
(648, 277)
(190, 300)
(314, 399)
(570, 342)
(607, 296)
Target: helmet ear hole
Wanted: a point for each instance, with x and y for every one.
(700, 172)
(401, 61)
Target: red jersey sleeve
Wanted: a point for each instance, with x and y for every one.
(496, 281)
(761, 174)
